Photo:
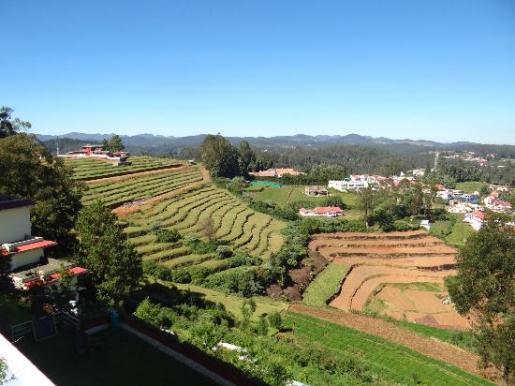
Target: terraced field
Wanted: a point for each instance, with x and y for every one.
(87, 168)
(234, 223)
(139, 187)
(394, 271)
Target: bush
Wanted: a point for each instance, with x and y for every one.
(167, 235)
(275, 320)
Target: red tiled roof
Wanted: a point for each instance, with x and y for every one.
(327, 209)
(478, 214)
(36, 245)
(74, 271)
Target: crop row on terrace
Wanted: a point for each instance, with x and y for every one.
(233, 223)
(88, 168)
(140, 187)
(394, 362)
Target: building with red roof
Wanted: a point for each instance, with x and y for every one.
(322, 211)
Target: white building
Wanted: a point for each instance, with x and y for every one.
(346, 185)
(16, 240)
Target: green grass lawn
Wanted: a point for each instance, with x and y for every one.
(454, 234)
(232, 303)
(470, 186)
(394, 362)
(122, 360)
(325, 285)
(292, 193)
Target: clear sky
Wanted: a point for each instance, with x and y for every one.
(433, 69)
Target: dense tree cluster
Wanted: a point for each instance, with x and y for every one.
(223, 159)
(28, 170)
(485, 288)
(113, 144)
(106, 253)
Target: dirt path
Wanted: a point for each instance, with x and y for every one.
(389, 331)
(131, 175)
(205, 174)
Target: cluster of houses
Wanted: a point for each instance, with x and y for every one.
(29, 265)
(99, 152)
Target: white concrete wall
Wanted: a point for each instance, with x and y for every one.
(25, 258)
(14, 224)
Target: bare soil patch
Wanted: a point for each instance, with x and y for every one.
(308, 268)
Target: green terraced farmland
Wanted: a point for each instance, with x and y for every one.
(325, 285)
(240, 227)
(88, 168)
(140, 186)
(396, 363)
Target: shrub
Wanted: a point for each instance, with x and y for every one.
(167, 235)
(275, 320)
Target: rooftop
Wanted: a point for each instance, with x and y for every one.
(7, 202)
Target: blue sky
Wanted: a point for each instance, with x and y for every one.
(434, 69)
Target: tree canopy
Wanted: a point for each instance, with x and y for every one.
(485, 288)
(114, 144)
(28, 170)
(106, 253)
(10, 125)
(220, 157)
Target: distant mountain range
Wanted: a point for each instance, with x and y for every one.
(160, 141)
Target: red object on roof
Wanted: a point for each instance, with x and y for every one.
(478, 214)
(75, 271)
(327, 209)
(36, 245)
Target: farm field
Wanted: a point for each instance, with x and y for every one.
(325, 285)
(380, 262)
(139, 187)
(291, 193)
(233, 223)
(87, 168)
(394, 356)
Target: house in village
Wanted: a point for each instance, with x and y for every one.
(325, 211)
(99, 152)
(316, 191)
(28, 262)
(496, 205)
(475, 219)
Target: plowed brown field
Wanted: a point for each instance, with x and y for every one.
(378, 259)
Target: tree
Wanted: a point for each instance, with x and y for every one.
(219, 156)
(114, 144)
(28, 170)
(484, 287)
(366, 200)
(8, 124)
(248, 307)
(247, 157)
(104, 250)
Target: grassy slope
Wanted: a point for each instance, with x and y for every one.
(459, 233)
(395, 362)
(232, 303)
(292, 193)
(325, 285)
